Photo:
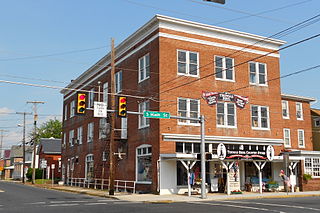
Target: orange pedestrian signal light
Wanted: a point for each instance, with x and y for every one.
(122, 107)
(81, 103)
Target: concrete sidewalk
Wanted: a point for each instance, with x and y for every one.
(180, 198)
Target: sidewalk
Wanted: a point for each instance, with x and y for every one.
(180, 198)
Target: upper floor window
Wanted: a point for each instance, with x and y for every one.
(91, 98)
(285, 109)
(286, 137)
(144, 67)
(79, 135)
(259, 117)
(317, 122)
(90, 133)
(143, 122)
(72, 108)
(188, 63)
(224, 68)
(301, 143)
(118, 81)
(102, 128)
(71, 138)
(105, 91)
(66, 112)
(299, 111)
(258, 73)
(188, 108)
(226, 115)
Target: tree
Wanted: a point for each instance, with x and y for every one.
(51, 128)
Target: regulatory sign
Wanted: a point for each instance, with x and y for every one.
(100, 109)
(43, 164)
(53, 166)
(152, 114)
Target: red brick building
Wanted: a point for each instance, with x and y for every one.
(166, 65)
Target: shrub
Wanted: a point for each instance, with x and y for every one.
(38, 174)
(307, 177)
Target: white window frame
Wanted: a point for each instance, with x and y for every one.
(71, 138)
(118, 81)
(289, 137)
(257, 73)
(89, 159)
(312, 166)
(187, 63)
(297, 110)
(102, 128)
(105, 95)
(225, 115)
(285, 106)
(66, 112)
(64, 138)
(144, 70)
(90, 132)
(188, 122)
(143, 147)
(224, 69)
(143, 122)
(303, 138)
(72, 108)
(259, 118)
(91, 98)
(79, 135)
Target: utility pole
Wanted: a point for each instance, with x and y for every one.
(23, 143)
(35, 118)
(112, 121)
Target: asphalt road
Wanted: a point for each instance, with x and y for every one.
(17, 198)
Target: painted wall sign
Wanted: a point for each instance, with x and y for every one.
(254, 152)
(213, 98)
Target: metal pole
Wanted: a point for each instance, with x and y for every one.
(203, 160)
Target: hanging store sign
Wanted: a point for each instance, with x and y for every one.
(254, 152)
(213, 98)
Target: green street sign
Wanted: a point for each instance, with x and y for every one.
(151, 114)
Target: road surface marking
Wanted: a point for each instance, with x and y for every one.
(92, 204)
(36, 203)
(1, 190)
(71, 204)
(275, 204)
(236, 206)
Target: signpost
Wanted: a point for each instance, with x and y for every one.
(152, 114)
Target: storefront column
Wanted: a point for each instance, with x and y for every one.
(260, 166)
(188, 167)
(227, 166)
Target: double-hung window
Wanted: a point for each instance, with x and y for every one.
(71, 138)
(144, 163)
(144, 68)
(102, 128)
(65, 112)
(72, 108)
(259, 117)
(299, 111)
(105, 93)
(79, 135)
(258, 73)
(91, 98)
(118, 81)
(285, 109)
(224, 68)
(90, 133)
(188, 108)
(226, 115)
(144, 122)
(312, 166)
(188, 63)
(89, 167)
(301, 143)
(286, 137)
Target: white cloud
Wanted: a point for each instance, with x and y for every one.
(4, 110)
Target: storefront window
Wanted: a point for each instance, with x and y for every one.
(144, 163)
(312, 166)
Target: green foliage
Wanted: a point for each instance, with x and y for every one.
(51, 128)
(38, 174)
(272, 182)
(307, 177)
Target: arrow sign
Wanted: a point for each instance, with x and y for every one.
(152, 114)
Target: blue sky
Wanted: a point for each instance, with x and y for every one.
(34, 29)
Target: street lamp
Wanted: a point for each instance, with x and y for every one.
(217, 1)
(23, 149)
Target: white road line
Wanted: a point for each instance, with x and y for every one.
(1, 191)
(36, 203)
(237, 206)
(275, 204)
(60, 205)
(92, 204)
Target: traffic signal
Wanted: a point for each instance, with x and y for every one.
(81, 103)
(122, 107)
